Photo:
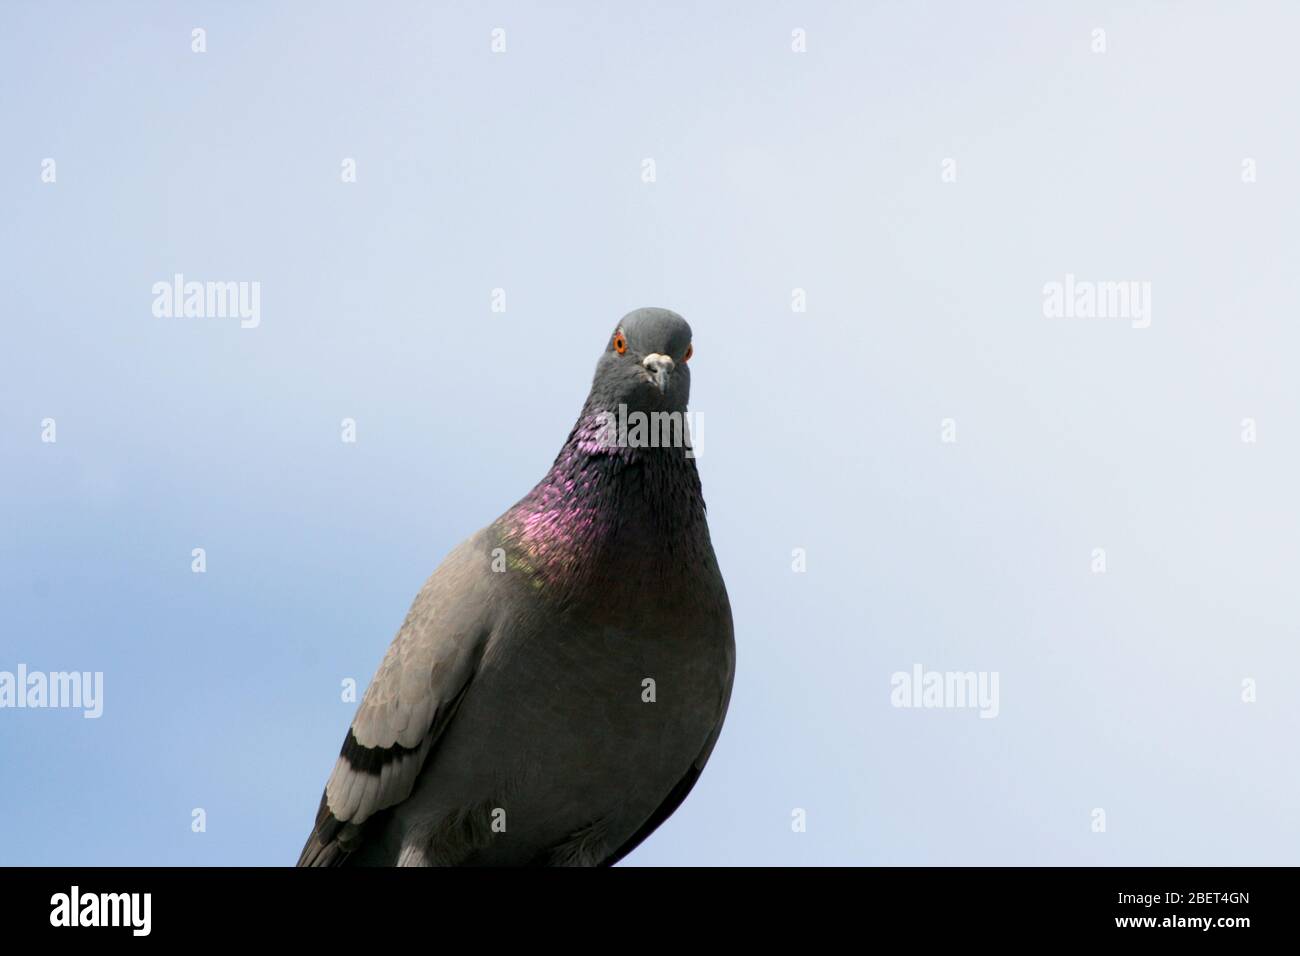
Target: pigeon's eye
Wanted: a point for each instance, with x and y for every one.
(620, 343)
(690, 350)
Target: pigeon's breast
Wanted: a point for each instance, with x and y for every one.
(587, 716)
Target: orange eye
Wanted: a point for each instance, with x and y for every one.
(620, 343)
(690, 350)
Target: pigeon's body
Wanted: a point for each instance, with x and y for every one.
(560, 679)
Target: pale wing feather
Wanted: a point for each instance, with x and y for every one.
(425, 671)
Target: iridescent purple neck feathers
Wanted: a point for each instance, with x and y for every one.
(604, 513)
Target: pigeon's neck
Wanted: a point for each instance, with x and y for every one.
(606, 514)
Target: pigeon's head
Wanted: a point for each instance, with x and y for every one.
(644, 364)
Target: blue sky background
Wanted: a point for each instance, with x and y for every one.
(775, 171)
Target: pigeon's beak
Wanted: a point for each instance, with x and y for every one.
(659, 367)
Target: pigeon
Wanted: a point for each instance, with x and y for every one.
(561, 679)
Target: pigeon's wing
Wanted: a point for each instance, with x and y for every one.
(412, 697)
